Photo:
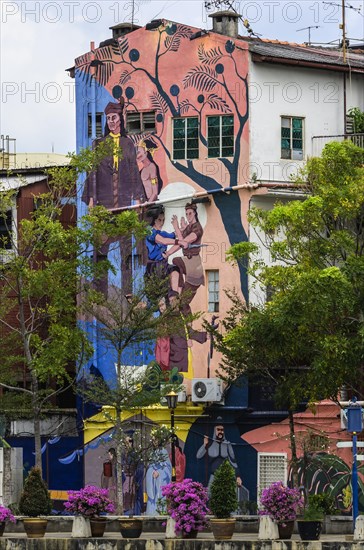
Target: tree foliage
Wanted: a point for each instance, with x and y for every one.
(46, 264)
(307, 340)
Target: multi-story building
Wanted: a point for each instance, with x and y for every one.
(26, 175)
(210, 123)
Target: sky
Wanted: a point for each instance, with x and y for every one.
(39, 40)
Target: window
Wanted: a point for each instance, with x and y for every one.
(213, 291)
(99, 131)
(272, 467)
(185, 138)
(6, 226)
(291, 138)
(136, 123)
(220, 136)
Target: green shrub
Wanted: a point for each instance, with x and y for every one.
(35, 499)
(223, 500)
(323, 502)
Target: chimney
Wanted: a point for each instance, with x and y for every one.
(122, 29)
(226, 23)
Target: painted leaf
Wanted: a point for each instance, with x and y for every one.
(123, 46)
(184, 106)
(158, 103)
(210, 56)
(201, 78)
(172, 43)
(217, 102)
(124, 77)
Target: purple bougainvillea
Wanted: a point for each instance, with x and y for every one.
(90, 501)
(187, 505)
(6, 515)
(280, 503)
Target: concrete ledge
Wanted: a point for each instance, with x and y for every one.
(161, 544)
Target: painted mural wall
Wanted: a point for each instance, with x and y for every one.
(177, 106)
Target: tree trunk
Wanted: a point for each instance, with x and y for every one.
(294, 459)
(119, 466)
(36, 424)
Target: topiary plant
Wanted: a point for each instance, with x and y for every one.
(35, 499)
(223, 499)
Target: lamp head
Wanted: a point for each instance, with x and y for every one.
(172, 399)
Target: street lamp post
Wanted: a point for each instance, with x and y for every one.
(355, 426)
(172, 399)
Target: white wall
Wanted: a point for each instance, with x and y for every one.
(11, 475)
(316, 95)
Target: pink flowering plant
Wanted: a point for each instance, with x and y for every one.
(187, 505)
(89, 502)
(6, 514)
(280, 503)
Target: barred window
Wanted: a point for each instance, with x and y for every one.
(272, 467)
(220, 136)
(213, 291)
(185, 138)
(291, 138)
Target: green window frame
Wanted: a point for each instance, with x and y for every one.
(292, 137)
(185, 138)
(220, 136)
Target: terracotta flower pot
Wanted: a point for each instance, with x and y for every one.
(35, 528)
(222, 529)
(98, 526)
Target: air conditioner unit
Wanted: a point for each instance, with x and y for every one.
(206, 389)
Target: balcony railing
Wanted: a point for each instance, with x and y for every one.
(319, 142)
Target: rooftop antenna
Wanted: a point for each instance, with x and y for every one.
(342, 24)
(132, 14)
(309, 31)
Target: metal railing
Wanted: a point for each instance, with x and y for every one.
(319, 142)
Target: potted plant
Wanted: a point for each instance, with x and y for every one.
(281, 504)
(92, 503)
(187, 505)
(310, 522)
(5, 516)
(223, 501)
(35, 501)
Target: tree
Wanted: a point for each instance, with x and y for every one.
(306, 342)
(49, 265)
(129, 323)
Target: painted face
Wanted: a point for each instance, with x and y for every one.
(159, 222)
(190, 215)
(141, 154)
(113, 122)
(219, 431)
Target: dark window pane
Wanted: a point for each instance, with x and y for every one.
(179, 133)
(227, 141)
(192, 143)
(192, 122)
(227, 151)
(179, 123)
(227, 120)
(179, 144)
(297, 144)
(213, 121)
(214, 142)
(192, 154)
(213, 152)
(214, 132)
(286, 153)
(179, 154)
(286, 133)
(227, 130)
